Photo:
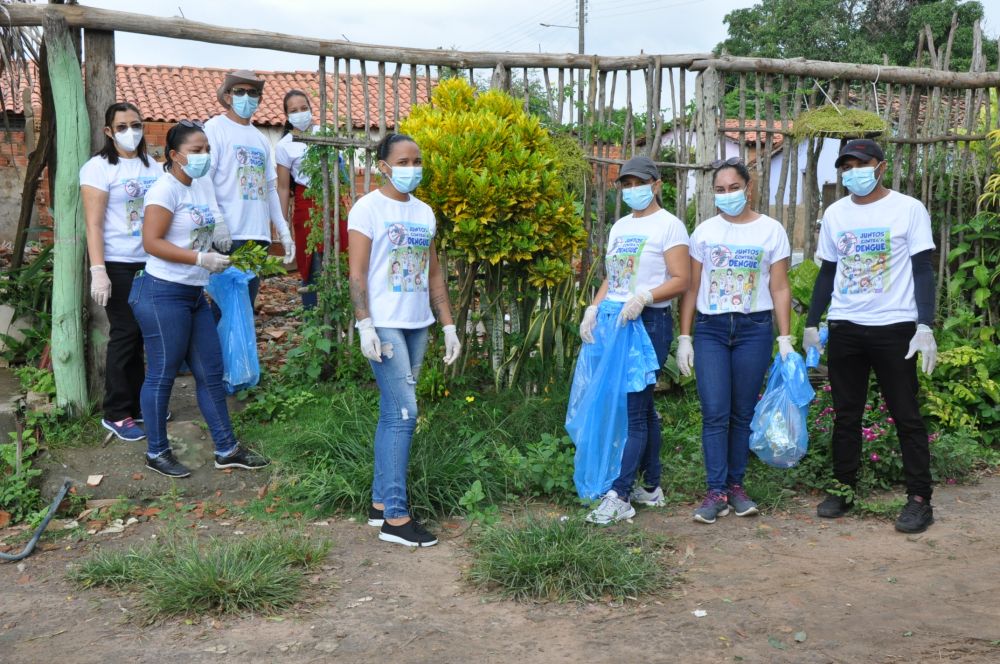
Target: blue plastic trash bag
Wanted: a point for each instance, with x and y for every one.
(621, 360)
(240, 368)
(779, 436)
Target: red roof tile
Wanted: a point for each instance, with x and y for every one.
(168, 94)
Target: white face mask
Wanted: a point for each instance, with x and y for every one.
(301, 120)
(129, 139)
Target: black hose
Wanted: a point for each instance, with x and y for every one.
(30, 546)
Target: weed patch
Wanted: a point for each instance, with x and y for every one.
(185, 575)
(567, 561)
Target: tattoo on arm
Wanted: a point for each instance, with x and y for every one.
(440, 304)
(359, 298)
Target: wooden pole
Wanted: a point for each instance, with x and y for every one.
(99, 76)
(707, 131)
(72, 149)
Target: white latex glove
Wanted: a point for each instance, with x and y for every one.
(685, 354)
(810, 339)
(221, 238)
(923, 341)
(100, 285)
(786, 346)
(286, 242)
(633, 308)
(212, 261)
(452, 346)
(371, 345)
(588, 324)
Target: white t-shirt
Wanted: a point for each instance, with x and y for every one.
(634, 258)
(243, 172)
(126, 184)
(872, 245)
(195, 213)
(289, 153)
(736, 262)
(401, 233)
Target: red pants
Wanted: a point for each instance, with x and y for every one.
(300, 218)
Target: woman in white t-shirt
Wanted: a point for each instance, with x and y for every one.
(647, 266)
(168, 299)
(292, 184)
(395, 282)
(112, 185)
(739, 286)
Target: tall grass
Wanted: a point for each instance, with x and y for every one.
(549, 559)
(180, 575)
(325, 452)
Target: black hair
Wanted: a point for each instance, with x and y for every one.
(176, 137)
(110, 151)
(294, 92)
(385, 145)
(740, 168)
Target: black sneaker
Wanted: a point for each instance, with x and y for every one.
(917, 514)
(833, 507)
(242, 458)
(167, 464)
(411, 533)
(375, 516)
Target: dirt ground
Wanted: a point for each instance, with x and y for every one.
(859, 592)
(855, 589)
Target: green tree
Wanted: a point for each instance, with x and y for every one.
(853, 30)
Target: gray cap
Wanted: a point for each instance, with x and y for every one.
(640, 167)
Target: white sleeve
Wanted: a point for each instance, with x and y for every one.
(695, 246)
(281, 156)
(919, 237)
(359, 219)
(675, 235)
(826, 248)
(780, 248)
(161, 194)
(94, 174)
(274, 210)
(215, 148)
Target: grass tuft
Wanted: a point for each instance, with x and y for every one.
(567, 561)
(185, 575)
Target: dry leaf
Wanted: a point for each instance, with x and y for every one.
(4, 519)
(136, 477)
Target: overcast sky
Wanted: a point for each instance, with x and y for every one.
(622, 27)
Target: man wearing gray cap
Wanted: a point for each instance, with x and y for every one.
(878, 281)
(243, 169)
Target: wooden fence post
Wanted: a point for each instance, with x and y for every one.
(72, 143)
(707, 131)
(99, 67)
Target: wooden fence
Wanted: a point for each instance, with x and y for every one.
(620, 106)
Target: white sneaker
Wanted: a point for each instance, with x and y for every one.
(649, 498)
(612, 509)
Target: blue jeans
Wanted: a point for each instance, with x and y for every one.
(642, 448)
(177, 326)
(311, 298)
(731, 355)
(396, 375)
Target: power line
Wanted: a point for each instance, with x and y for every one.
(614, 14)
(505, 34)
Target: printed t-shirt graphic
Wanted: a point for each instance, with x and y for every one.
(203, 221)
(250, 172)
(409, 256)
(864, 257)
(135, 191)
(622, 264)
(734, 277)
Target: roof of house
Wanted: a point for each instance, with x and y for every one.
(168, 94)
(751, 136)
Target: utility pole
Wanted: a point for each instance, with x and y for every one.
(581, 23)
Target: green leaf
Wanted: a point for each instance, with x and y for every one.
(800, 637)
(982, 274)
(775, 643)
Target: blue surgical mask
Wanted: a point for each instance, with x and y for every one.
(301, 120)
(638, 198)
(732, 203)
(860, 181)
(245, 105)
(406, 178)
(197, 165)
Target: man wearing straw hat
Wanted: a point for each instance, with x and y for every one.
(878, 280)
(243, 169)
